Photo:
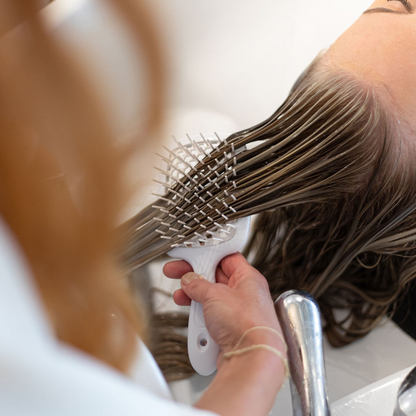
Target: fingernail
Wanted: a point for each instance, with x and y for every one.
(188, 277)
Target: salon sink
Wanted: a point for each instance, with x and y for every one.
(376, 399)
(348, 368)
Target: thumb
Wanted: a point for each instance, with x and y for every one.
(195, 286)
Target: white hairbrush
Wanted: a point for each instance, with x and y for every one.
(194, 218)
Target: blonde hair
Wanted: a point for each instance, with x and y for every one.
(61, 184)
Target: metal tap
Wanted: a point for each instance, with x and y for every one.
(299, 318)
(406, 396)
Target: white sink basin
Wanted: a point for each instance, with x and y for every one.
(377, 399)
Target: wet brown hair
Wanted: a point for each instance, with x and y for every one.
(62, 184)
(328, 173)
(353, 248)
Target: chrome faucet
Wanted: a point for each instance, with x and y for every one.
(406, 396)
(299, 318)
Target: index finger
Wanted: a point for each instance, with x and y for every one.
(176, 269)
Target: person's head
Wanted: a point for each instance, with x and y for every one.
(379, 49)
(61, 178)
(356, 248)
(332, 173)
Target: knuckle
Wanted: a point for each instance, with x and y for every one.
(195, 284)
(261, 280)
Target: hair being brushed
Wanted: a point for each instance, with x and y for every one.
(327, 173)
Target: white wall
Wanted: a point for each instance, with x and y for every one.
(235, 57)
(241, 57)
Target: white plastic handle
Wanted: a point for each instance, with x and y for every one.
(202, 349)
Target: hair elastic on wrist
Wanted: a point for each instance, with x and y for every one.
(275, 351)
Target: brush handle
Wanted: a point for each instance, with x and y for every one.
(202, 350)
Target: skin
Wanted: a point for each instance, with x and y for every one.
(380, 49)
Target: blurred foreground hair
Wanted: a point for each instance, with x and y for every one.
(329, 174)
(61, 179)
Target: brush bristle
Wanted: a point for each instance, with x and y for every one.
(198, 196)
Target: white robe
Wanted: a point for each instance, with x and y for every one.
(40, 376)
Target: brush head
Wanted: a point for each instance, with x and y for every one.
(195, 203)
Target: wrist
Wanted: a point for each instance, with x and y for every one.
(261, 335)
(260, 366)
(263, 344)
(247, 382)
